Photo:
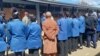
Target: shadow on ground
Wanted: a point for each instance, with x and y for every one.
(98, 54)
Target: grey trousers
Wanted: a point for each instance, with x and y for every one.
(69, 44)
(18, 54)
(63, 48)
(74, 43)
(2, 53)
(33, 52)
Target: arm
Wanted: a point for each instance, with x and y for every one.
(8, 33)
(27, 32)
(4, 34)
(56, 30)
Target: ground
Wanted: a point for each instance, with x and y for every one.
(87, 51)
(80, 52)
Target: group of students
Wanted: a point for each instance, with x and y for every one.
(19, 35)
(54, 38)
(69, 32)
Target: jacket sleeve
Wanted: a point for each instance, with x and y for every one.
(56, 31)
(45, 30)
(4, 33)
(95, 22)
(27, 32)
(87, 24)
(8, 33)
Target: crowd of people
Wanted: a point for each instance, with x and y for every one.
(54, 38)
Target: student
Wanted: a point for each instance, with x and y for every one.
(91, 24)
(17, 32)
(75, 31)
(98, 28)
(82, 28)
(69, 31)
(62, 36)
(50, 29)
(34, 39)
(43, 18)
(3, 45)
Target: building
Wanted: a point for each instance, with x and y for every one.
(37, 7)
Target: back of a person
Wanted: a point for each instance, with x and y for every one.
(90, 25)
(20, 29)
(51, 24)
(98, 25)
(3, 45)
(34, 36)
(75, 27)
(17, 32)
(62, 23)
(91, 22)
(82, 24)
(69, 27)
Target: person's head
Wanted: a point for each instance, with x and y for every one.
(32, 17)
(75, 15)
(48, 14)
(67, 14)
(44, 14)
(26, 14)
(62, 14)
(15, 15)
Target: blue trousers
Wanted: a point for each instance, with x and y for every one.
(91, 37)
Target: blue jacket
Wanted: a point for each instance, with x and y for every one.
(75, 27)
(82, 24)
(3, 45)
(62, 23)
(98, 25)
(69, 27)
(34, 38)
(17, 32)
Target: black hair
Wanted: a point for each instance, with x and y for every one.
(67, 14)
(74, 15)
(15, 13)
(32, 18)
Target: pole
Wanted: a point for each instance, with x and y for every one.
(38, 13)
(1, 5)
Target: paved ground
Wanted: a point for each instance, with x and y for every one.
(80, 52)
(87, 51)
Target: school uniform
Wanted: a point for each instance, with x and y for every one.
(62, 37)
(75, 33)
(17, 36)
(3, 45)
(69, 33)
(34, 39)
(98, 29)
(82, 29)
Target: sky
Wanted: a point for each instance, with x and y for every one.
(95, 3)
(69, 1)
